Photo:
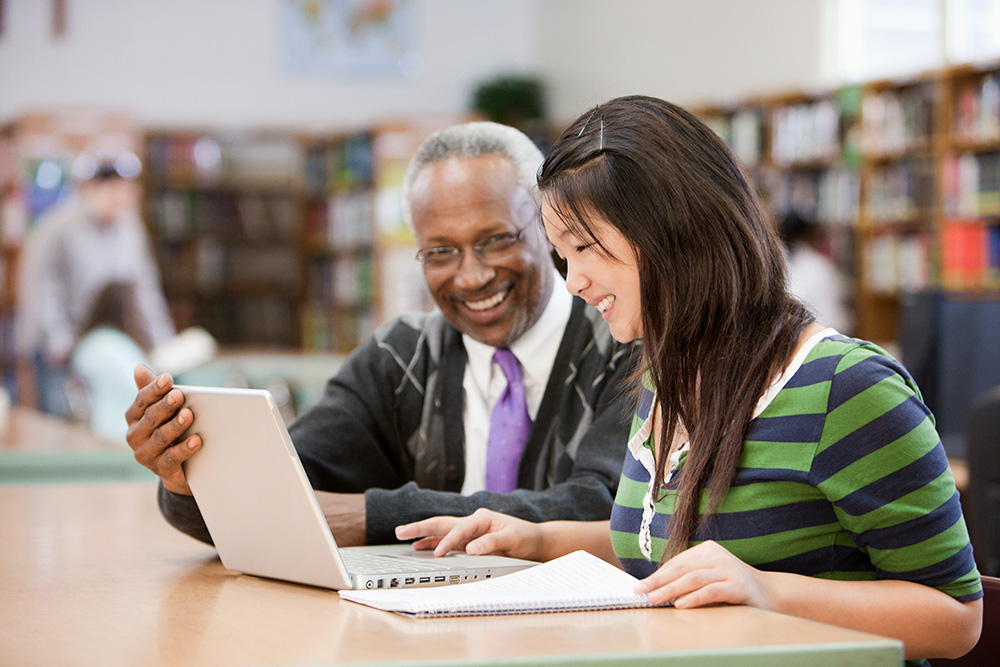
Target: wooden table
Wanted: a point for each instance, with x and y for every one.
(91, 574)
(35, 447)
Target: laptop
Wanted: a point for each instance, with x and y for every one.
(265, 519)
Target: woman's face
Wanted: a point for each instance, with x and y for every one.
(610, 284)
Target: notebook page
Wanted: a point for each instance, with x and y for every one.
(576, 581)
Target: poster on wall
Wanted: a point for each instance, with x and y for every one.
(360, 38)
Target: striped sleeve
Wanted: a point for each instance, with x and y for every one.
(881, 464)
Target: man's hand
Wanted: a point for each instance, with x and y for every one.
(345, 513)
(155, 425)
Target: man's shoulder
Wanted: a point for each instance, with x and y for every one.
(594, 335)
(409, 333)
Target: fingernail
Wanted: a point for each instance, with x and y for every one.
(161, 381)
(172, 398)
(181, 419)
(474, 548)
(641, 589)
(191, 444)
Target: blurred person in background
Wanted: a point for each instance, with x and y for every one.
(111, 343)
(812, 274)
(90, 240)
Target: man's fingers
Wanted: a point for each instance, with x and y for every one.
(149, 394)
(143, 375)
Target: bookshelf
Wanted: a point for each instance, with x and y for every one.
(903, 174)
(338, 243)
(801, 150)
(224, 211)
(970, 235)
(286, 240)
(12, 218)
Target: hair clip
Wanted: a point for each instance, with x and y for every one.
(588, 120)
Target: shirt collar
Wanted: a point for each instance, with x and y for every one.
(535, 349)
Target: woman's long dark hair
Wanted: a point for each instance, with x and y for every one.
(718, 322)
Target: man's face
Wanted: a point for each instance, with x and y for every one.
(460, 202)
(111, 198)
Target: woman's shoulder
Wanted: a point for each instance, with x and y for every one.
(844, 352)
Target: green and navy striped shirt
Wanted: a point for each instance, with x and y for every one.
(842, 476)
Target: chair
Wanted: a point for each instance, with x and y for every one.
(986, 653)
(981, 501)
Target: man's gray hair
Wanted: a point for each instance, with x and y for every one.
(473, 140)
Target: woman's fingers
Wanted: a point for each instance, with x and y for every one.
(447, 533)
(704, 574)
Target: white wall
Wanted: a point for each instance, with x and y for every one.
(685, 51)
(214, 62)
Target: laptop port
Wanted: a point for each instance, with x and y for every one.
(408, 581)
(438, 580)
(394, 583)
(369, 584)
(425, 580)
(381, 583)
(455, 578)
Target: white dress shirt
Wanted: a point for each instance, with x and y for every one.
(484, 380)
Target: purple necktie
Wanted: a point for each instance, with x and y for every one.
(509, 428)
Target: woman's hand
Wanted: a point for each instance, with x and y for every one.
(706, 574)
(482, 532)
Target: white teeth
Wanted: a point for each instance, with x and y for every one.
(486, 304)
(606, 303)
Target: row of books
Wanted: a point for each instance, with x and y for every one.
(266, 320)
(326, 328)
(344, 281)
(895, 122)
(181, 215)
(340, 221)
(743, 131)
(970, 255)
(977, 110)
(901, 192)
(340, 165)
(209, 268)
(828, 196)
(897, 263)
(971, 184)
(806, 132)
(235, 160)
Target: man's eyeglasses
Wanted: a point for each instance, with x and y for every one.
(488, 250)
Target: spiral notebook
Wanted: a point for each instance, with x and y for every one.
(576, 582)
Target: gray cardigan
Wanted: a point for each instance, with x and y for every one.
(389, 425)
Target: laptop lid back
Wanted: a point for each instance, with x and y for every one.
(254, 496)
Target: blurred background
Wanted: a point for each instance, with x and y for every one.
(273, 135)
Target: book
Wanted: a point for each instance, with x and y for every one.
(576, 582)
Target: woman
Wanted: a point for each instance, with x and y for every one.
(802, 465)
(110, 345)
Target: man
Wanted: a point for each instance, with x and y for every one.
(404, 430)
(79, 248)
